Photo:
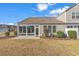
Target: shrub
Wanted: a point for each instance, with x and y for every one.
(7, 33)
(54, 34)
(72, 34)
(60, 34)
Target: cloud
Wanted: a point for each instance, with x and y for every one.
(10, 23)
(51, 4)
(58, 11)
(43, 6)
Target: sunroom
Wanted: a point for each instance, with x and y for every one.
(28, 30)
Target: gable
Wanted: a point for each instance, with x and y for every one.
(69, 15)
(66, 16)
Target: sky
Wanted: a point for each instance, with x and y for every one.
(11, 13)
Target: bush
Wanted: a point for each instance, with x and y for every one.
(60, 34)
(54, 34)
(7, 33)
(72, 34)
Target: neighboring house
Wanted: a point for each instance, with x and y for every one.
(35, 26)
(6, 28)
(3, 28)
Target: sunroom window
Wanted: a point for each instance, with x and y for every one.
(22, 29)
(30, 30)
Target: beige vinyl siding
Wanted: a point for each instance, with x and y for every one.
(62, 17)
(60, 27)
(69, 15)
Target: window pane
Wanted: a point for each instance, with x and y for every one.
(71, 26)
(54, 29)
(20, 29)
(30, 29)
(77, 15)
(67, 26)
(78, 26)
(49, 29)
(75, 26)
(73, 15)
(24, 29)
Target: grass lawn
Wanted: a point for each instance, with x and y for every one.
(39, 47)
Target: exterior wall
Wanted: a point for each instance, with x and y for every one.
(41, 30)
(62, 17)
(69, 15)
(3, 28)
(60, 27)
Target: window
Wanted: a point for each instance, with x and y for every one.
(22, 29)
(30, 30)
(75, 15)
(54, 29)
(78, 26)
(69, 26)
(49, 29)
(75, 26)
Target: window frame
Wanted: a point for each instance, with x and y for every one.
(75, 14)
(31, 33)
(22, 30)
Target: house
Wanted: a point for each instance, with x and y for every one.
(35, 26)
(6, 28)
(3, 28)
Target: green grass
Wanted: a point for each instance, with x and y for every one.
(39, 47)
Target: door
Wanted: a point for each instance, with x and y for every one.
(37, 32)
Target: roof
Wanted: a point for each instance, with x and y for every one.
(68, 9)
(40, 20)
